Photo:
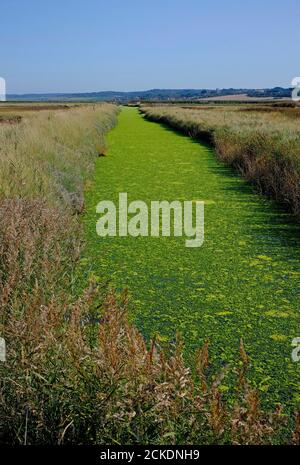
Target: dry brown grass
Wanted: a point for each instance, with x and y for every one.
(68, 380)
(49, 155)
(13, 113)
(25, 107)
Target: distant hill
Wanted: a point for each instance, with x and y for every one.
(155, 95)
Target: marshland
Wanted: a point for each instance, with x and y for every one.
(136, 340)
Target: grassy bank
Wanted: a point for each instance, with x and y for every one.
(262, 143)
(44, 163)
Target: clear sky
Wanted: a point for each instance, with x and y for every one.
(92, 45)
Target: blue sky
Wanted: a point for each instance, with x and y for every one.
(73, 46)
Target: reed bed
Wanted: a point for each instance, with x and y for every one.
(261, 144)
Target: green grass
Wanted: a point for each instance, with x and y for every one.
(243, 282)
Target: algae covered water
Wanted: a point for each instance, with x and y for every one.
(242, 283)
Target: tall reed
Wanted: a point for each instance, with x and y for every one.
(262, 146)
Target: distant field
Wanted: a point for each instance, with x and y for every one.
(239, 97)
(11, 112)
(31, 106)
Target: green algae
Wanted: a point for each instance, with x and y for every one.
(242, 283)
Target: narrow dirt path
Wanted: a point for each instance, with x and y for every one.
(243, 282)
